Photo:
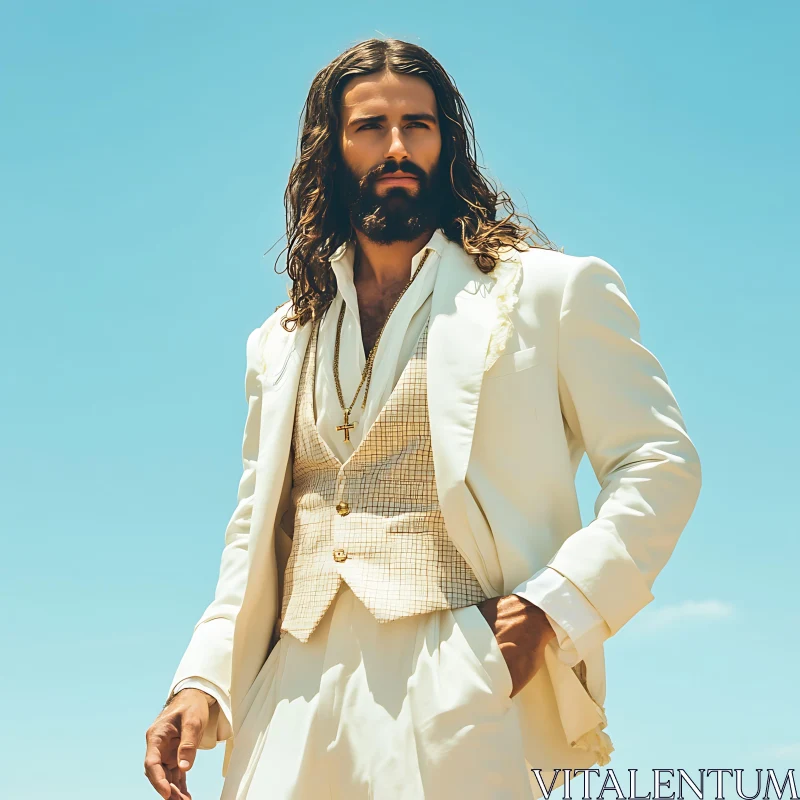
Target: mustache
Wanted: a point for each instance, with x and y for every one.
(392, 166)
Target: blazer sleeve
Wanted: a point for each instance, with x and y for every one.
(208, 654)
(619, 408)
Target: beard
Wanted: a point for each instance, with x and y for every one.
(398, 215)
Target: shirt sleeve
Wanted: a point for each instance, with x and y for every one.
(577, 625)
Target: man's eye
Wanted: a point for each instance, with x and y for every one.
(367, 125)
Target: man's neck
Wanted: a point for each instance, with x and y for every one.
(385, 265)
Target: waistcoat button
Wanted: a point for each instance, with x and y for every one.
(343, 508)
(339, 555)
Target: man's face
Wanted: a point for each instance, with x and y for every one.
(390, 144)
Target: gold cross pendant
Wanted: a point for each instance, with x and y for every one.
(347, 427)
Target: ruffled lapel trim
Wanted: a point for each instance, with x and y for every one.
(506, 275)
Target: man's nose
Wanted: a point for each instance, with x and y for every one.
(397, 147)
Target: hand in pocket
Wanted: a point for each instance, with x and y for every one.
(522, 632)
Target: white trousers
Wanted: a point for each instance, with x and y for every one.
(413, 709)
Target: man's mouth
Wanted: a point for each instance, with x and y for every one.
(398, 179)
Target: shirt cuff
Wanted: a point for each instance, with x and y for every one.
(577, 625)
(224, 730)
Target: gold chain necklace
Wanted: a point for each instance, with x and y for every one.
(366, 374)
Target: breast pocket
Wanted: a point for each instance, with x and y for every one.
(509, 392)
(511, 363)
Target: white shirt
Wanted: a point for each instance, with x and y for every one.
(397, 343)
(578, 626)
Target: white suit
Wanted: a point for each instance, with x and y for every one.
(571, 376)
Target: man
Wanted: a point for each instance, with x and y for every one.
(408, 605)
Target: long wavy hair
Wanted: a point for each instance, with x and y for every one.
(316, 225)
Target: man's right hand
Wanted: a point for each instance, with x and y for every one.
(172, 742)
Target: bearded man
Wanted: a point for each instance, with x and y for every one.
(408, 605)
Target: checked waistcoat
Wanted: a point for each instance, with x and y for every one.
(375, 520)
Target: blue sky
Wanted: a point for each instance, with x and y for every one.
(144, 152)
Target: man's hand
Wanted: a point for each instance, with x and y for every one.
(172, 742)
(522, 631)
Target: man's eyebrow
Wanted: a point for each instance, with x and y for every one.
(425, 117)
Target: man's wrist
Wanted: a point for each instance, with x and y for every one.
(209, 699)
(542, 620)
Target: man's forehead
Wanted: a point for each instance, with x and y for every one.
(370, 95)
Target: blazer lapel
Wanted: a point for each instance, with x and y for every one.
(284, 353)
(463, 312)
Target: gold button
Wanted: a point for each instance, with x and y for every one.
(339, 555)
(343, 508)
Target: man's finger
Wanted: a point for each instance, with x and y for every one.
(191, 731)
(154, 770)
(177, 776)
(179, 795)
(181, 784)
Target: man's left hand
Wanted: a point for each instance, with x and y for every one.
(522, 631)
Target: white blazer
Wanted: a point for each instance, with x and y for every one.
(573, 377)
